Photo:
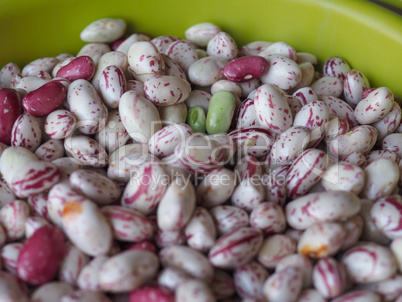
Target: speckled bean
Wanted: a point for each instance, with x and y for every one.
(354, 230)
(112, 85)
(86, 151)
(60, 124)
(328, 85)
(321, 207)
(269, 217)
(375, 106)
(103, 30)
(73, 262)
(33, 223)
(206, 71)
(389, 123)
(194, 291)
(189, 260)
(229, 218)
(45, 64)
(248, 194)
(168, 238)
(246, 115)
(344, 177)
(88, 278)
(249, 280)
(311, 295)
(166, 90)
(274, 248)
(299, 261)
(355, 158)
(9, 256)
(393, 142)
(50, 150)
(26, 132)
(12, 218)
(201, 33)
(386, 214)
(340, 108)
(6, 194)
(11, 288)
(183, 53)
(369, 262)
(222, 46)
(200, 231)
(388, 289)
(329, 277)
(254, 48)
(382, 176)
(52, 291)
(7, 73)
(126, 42)
(82, 218)
(253, 141)
(280, 48)
(285, 285)
(354, 85)
(370, 230)
(171, 277)
(283, 72)
(336, 67)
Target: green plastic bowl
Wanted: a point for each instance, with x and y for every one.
(368, 36)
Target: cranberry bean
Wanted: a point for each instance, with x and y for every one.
(200, 231)
(6, 194)
(222, 285)
(172, 68)
(253, 141)
(370, 230)
(103, 30)
(229, 218)
(206, 71)
(249, 280)
(369, 262)
(246, 115)
(307, 76)
(171, 277)
(328, 85)
(254, 48)
(358, 296)
(94, 50)
(388, 289)
(344, 177)
(375, 154)
(311, 295)
(393, 142)
(354, 85)
(395, 247)
(166, 90)
(112, 85)
(183, 53)
(269, 217)
(194, 291)
(359, 139)
(73, 262)
(151, 293)
(85, 296)
(82, 67)
(88, 278)
(275, 187)
(375, 106)
(382, 177)
(274, 248)
(222, 46)
(285, 285)
(7, 73)
(9, 256)
(163, 42)
(283, 72)
(26, 132)
(321, 207)
(354, 230)
(38, 205)
(12, 218)
(386, 214)
(52, 291)
(305, 95)
(201, 33)
(389, 123)
(11, 288)
(82, 218)
(248, 194)
(29, 84)
(245, 68)
(50, 150)
(336, 67)
(280, 48)
(329, 277)
(126, 42)
(187, 259)
(340, 108)
(45, 64)
(86, 105)
(33, 223)
(248, 167)
(60, 124)
(86, 151)
(299, 261)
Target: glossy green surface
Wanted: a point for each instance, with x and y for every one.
(196, 119)
(220, 112)
(369, 37)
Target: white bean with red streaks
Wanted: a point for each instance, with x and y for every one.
(249, 86)
(198, 98)
(321, 207)
(112, 85)
(294, 104)
(11, 288)
(222, 46)
(104, 30)
(187, 259)
(45, 64)
(168, 238)
(340, 108)
(145, 60)
(322, 240)
(336, 126)
(94, 50)
(165, 90)
(386, 214)
(307, 77)
(111, 58)
(370, 230)
(88, 278)
(311, 295)
(355, 158)
(173, 114)
(393, 142)
(26, 132)
(358, 296)
(171, 277)
(388, 289)
(85, 296)
(135, 85)
(33, 223)
(328, 85)
(226, 85)
(274, 248)
(305, 95)
(229, 218)
(183, 53)
(248, 194)
(12, 218)
(200, 34)
(305, 171)
(128, 224)
(329, 277)
(200, 231)
(216, 188)
(61, 64)
(172, 68)
(275, 188)
(269, 217)
(9, 256)
(279, 48)
(164, 141)
(382, 176)
(87, 107)
(369, 262)
(87, 227)
(222, 285)
(375, 106)
(249, 280)
(60, 124)
(344, 177)
(359, 139)
(126, 44)
(376, 154)
(177, 206)
(52, 291)
(353, 86)
(206, 71)
(354, 230)
(289, 144)
(139, 116)
(283, 72)
(98, 188)
(73, 262)
(299, 261)
(86, 151)
(248, 167)
(7, 73)
(254, 48)
(285, 285)
(336, 67)
(146, 188)
(389, 123)
(163, 42)
(194, 291)
(246, 115)
(50, 150)
(236, 248)
(28, 84)
(396, 249)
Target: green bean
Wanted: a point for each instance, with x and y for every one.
(196, 119)
(220, 112)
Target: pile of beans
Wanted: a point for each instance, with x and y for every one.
(172, 169)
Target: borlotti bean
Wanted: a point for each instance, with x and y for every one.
(182, 169)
